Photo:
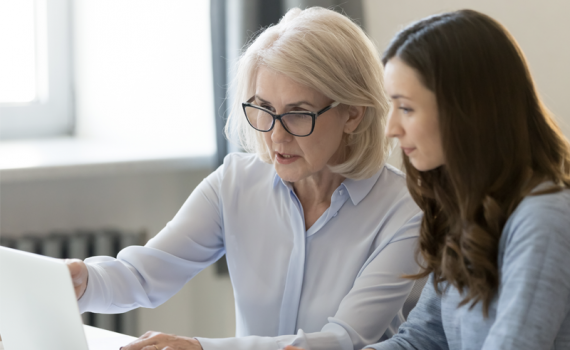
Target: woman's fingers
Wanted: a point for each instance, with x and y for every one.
(140, 344)
(156, 340)
(152, 340)
(79, 275)
(148, 334)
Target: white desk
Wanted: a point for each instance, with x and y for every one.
(100, 339)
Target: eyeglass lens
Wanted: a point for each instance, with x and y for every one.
(295, 123)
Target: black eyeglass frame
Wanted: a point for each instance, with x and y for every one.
(313, 115)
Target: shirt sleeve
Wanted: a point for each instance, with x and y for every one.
(535, 277)
(148, 276)
(423, 329)
(364, 314)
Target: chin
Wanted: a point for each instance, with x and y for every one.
(288, 178)
(425, 166)
(286, 175)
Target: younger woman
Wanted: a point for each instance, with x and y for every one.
(489, 167)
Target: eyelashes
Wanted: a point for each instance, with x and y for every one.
(394, 105)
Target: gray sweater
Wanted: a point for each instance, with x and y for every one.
(532, 307)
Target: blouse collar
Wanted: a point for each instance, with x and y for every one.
(357, 189)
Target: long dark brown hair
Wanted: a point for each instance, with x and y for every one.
(499, 142)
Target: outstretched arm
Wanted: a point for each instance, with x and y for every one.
(148, 276)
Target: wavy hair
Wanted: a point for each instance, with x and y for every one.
(499, 142)
(328, 52)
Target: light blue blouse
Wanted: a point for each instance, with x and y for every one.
(532, 308)
(336, 285)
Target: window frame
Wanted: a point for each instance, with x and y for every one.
(52, 113)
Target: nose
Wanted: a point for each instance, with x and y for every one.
(279, 134)
(394, 127)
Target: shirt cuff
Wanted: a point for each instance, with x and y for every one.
(242, 343)
(94, 297)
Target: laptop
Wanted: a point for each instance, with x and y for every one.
(38, 307)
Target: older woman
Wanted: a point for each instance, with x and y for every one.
(317, 230)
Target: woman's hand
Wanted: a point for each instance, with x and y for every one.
(291, 347)
(160, 341)
(79, 275)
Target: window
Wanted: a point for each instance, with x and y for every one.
(144, 73)
(141, 74)
(35, 69)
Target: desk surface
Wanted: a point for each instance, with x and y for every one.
(101, 339)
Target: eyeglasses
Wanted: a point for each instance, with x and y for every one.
(297, 123)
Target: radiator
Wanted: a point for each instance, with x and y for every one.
(80, 245)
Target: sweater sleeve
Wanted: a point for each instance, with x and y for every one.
(534, 295)
(423, 329)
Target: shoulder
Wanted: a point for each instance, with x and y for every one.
(241, 159)
(391, 186)
(548, 210)
(389, 176)
(241, 171)
(239, 164)
(395, 172)
(390, 199)
(539, 219)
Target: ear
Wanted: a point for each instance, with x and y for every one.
(355, 116)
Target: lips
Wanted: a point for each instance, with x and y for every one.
(284, 158)
(408, 150)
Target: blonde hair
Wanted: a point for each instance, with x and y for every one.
(326, 51)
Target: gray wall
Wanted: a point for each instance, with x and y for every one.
(542, 29)
(145, 199)
(129, 197)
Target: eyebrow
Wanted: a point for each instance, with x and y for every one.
(395, 97)
(296, 104)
